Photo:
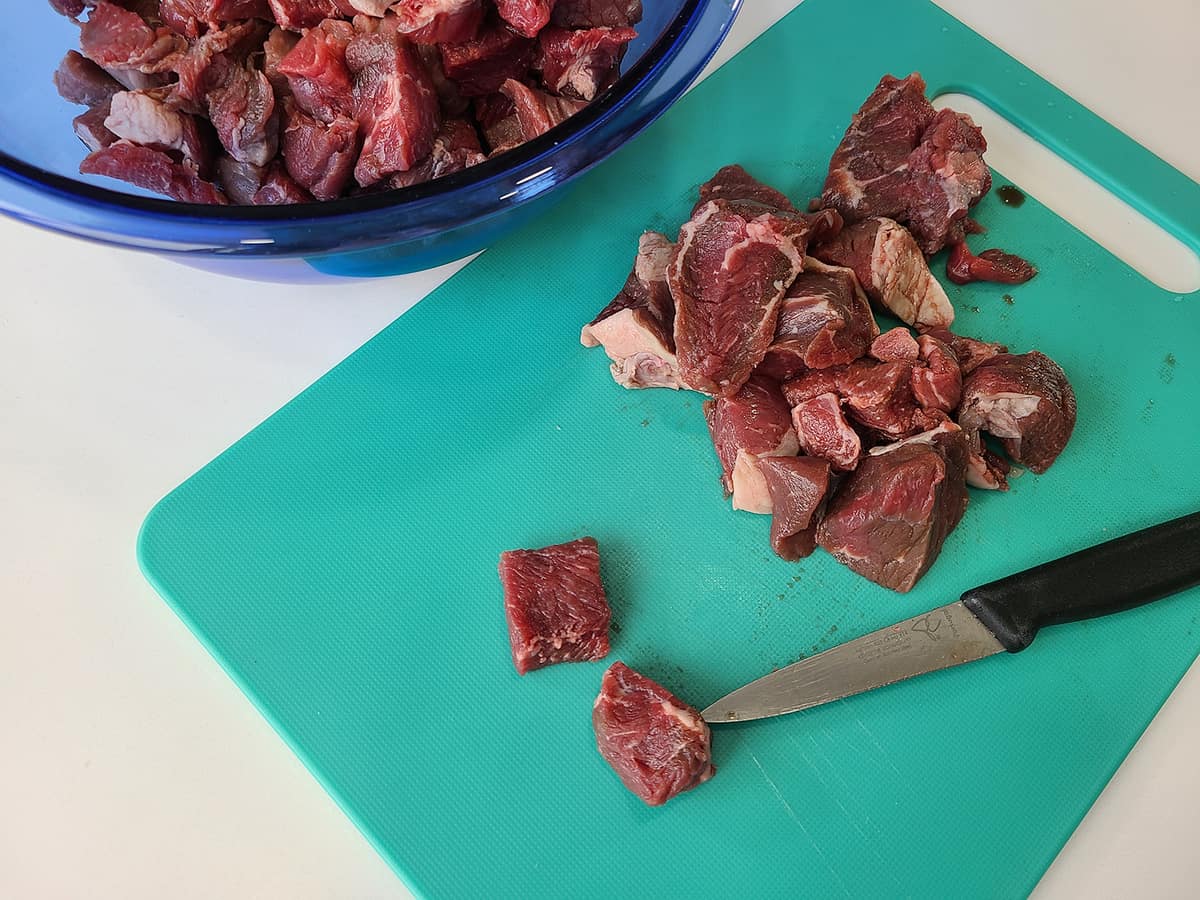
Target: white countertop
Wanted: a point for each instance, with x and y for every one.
(132, 765)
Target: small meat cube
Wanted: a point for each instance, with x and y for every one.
(319, 157)
(299, 14)
(734, 261)
(735, 183)
(580, 64)
(151, 170)
(963, 266)
(211, 61)
(89, 127)
(596, 13)
(555, 604)
(242, 110)
(969, 352)
(439, 21)
(902, 159)
(79, 80)
(479, 66)
(824, 320)
(753, 423)
(811, 384)
(239, 180)
(497, 118)
(985, 470)
(657, 744)
(890, 517)
(537, 112)
(1024, 400)
(798, 486)
(145, 118)
(397, 106)
(454, 104)
(316, 71)
(637, 328)
(823, 432)
(279, 189)
(278, 45)
(119, 39)
(891, 269)
(880, 396)
(455, 148)
(897, 345)
(526, 17)
(937, 384)
(192, 17)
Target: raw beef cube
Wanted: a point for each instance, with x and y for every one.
(143, 117)
(526, 17)
(319, 157)
(555, 604)
(242, 110)
(897, 345)
(439, 21)
(538, 112)
(119, 39)
(240, 181)
(985, 470)
(278, 45)
(823, 432)
(963, 266)
(637, 328)
(811, 384)
(735, 183)
(969, 352)
(211, 59)
(657, 744)
(455, 148)
(733, 262)
(89, 127)
(299, 14)
(596, 13)
(279, 189)
(902, 159)
(1024, 400)
(397, 106)
(880, 397)
(889, 519)
(891, 269)
(79, 80)
(824, 320)
(497, 118)
(937, 384)
(453, 103)
(192, 17)
(316, 71)
(753, 423)
(798, 485)
(151, 170)
(480, 66)
(580, 64)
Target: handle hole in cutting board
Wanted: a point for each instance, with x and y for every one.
(1101, 215)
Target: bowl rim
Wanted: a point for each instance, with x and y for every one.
(494, 168)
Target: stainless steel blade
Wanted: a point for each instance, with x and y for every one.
(935, 640)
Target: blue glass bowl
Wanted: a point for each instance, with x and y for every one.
(388, 233)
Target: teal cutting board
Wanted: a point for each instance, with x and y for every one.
(340, 560)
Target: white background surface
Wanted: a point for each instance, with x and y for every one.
(130, 765)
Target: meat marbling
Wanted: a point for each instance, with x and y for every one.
(823, 432)
(555, 604)
(657, 744)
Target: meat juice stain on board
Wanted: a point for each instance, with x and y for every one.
(1010, 195)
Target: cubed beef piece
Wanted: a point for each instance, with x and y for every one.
(753, 423)
(902, 159)
(144, 117)
(824, 320)
(278, 188)
(119, 39)
(151, 170)
(242, 110)
(211, 61)
(481, 65)
(192, 17)
(397, 106)
(555, 604)
(1024, 400)
(891, 269)
(889, 518)
(636, 329)
(239, 180)
(937, 383)
(985, 469)
(89, 127)
(455, 148)
(969, 352)
(79, 80)
(657, 744)
(580, 64)
(880, 397)
(734, 183)
(299, 14)
(319, 157)
(279, 43)
(537, 112)
(963, 266)
(497, 118)
(317, 73)
(439, 21)
(596, 13)
(823, 432)
(526, 17)
(734, 260)
(798, 486)
(897, 345)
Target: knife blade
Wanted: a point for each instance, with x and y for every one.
(1003, 615)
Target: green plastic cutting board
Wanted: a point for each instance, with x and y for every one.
(340, 560)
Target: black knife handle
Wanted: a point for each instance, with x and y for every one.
(1118, 575)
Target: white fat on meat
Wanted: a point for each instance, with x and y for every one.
(144, 119)
(925, 437)
(1002, 412)
(750, 492)
(903, 279)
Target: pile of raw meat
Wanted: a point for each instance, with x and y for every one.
(289, 101)
(860, 442)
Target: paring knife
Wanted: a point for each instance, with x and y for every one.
(1003, 615)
